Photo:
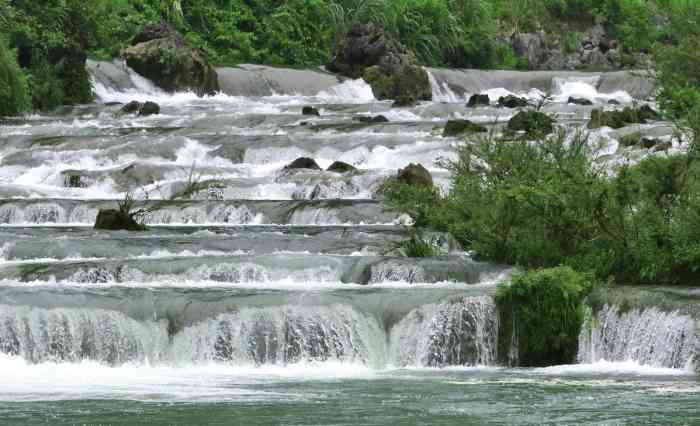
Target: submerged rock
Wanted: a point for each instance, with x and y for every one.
(162, 55)
(302, 163)
(392, 71)
(415, 175)
(143, 109)
(309, 110)
(404, 101)
(478, 100)
(117, 220)
(533, 123)
(579, 101)
(512, 101)
(372, 120)
(132, 107)
(459, 127)
(618, 119)
(341, 167)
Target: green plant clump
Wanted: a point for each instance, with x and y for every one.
(14, 94)
(542, 312)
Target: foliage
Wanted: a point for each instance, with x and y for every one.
(14, 94)
(544, 311)
(418, 246)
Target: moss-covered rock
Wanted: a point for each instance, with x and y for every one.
(631, 140)
(388, 67)
(541, 314)
(460, 127)
(302, 163)
(117, 220)
(415, 175)
(170, 62)
(341, 167)
(617, 119)
(512, 101)
(478, 100)
(533, 123)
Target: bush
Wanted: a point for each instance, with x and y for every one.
(541, 313)
(14, 95)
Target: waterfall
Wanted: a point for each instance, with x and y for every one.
(442, 92)
(463, 331)
(647, 336)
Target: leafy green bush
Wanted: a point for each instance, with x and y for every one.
(541, 312)
(14, 95)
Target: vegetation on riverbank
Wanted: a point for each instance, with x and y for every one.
(52, 38)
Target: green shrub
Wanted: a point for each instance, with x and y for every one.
(541, 312)
(14, 96)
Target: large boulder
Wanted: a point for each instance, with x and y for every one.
(162, 55)
(117, 220)
(415, 175)
(617, 119)
(478, 100)
(341, 167)
(302, 163)
(366, 51)
(512, 101)
(533, 123)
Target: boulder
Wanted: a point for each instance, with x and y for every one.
(531, 47)
(117, 220)
(478, 100)
(404, 101)
(649, 143)
(162, 55)
(391, 70)
(309, 110)
(149, 108)
(618, 119)
(341, 167)
(533, 123)
(415, 175)
(631, 140)
(132, 107)
(512, 101)
(371, 120)
(459, 127)
(302, 163)
(579, 101)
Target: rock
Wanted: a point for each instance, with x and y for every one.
(531, 47)
(341, 167)
(149, 108)
(649, 143)
(116, 220)
(533, 123)
(478, 100)
(512, 101)
(613, 102)
(163, 56)
(73, 179)
(302, 163)
(459, 127)
(404, 101)
(631, 140)
(309, 110)
(662, 146)
(371, 120)
(131, 107)
(618, 119)
(579, 101)
(415, 175)
(387, 66)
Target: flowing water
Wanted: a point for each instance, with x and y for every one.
(270, 296)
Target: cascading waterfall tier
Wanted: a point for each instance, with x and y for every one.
(647, 336)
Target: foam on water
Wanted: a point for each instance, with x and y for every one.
(585, 88)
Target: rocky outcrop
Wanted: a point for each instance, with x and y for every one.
(512, 101)
(117, 220)
(593, 49)
(143, 109)
(392, 71)
(162, 55)
(533, 123)
(302, 163)
(461, 127)
(415, 175)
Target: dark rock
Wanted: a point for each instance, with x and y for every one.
(162, 55)
(404, 101)
(478, 100)
(613, 102)
(149, 108)
(111, 104)
(309, 110)
(533, 123)
(649, 143)
(512, 101)
(302, 163)
(131, 107)
(117, 220)
(618, 119)
(415, 175)
(372, 120)
(341, 167)
(662, 146)
(73, 179)
(459, 127)
(579, 101)
(387, 66)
